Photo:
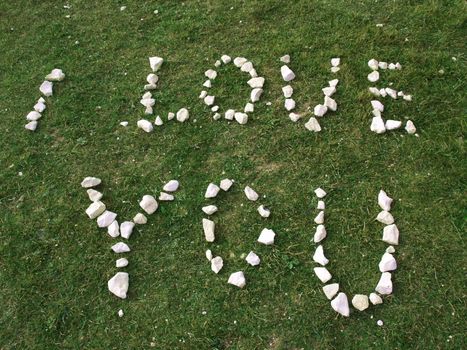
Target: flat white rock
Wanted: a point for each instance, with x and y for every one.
(384, 286)
(255, 94)
(313, 125)
(140, 219)
(319, 219)
(182, 115)
(90, 181)
(266, 236)
(249, 107)
(287, 73)
(241, 118)
(239, 61)
(94, 195)
(152, 78)
(95, 209)
(320, 110)
(158, 121)
(374, 91)
(106, 218)
(251, 193)
(360, 302)
(330, 290)
(391, 92)
(237, 279)
(46, 88)
(329, 91)
(31, 126)
(226, 59)
(285, 59)
(287, 91)
(377, 105)
(320, 234)
(333, 82)
(384, 201)
(322, 273)
(253, 73)
(113, 229)
(373, 64)
(383, 65)
(387, 263)
(341, 305)
(321, 205)
(377, 125)
(207, 84)
(149, 204)
(118, 284)
(383, 92)
(208, 228)
(155, 63)
(33, 115)
(246, 67)
(216, 264)
(375, 299)
(208, 254)
(209, 100)
(257, 82)
(55, 75)
(295, 117)
(336, 61)
(385, 217)
(229, 114)
(319, 257)
(373, 76)
(226, 184)
(335, 69)
(289, 104)
(252, 259)
(203, 94)
(209, 209)
(120, 247)
(264, 212)
(391, 234)
(122, 262)
(393, 124)
(145, 125)
(126, 229)
(390, 250)
(171, 186)
(211, 191)
(211, 74)
(320, 193)
(330, 103)
(166, 197)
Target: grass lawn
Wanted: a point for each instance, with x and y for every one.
(55, 262)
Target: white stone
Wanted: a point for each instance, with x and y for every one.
(41, 100)
(313, 125)
(46, 88)
(377, 125)
(216, 264)
(398, 66)
(216, 116)
(373, 64)
(289, 104)
(330, 103)
(375, 299)
(257, 82)
(171, 186)
(31, 126)
(376, 113)
(319, 219)
(113, 229)
(211, 191)
(335, 61)
(400, 93)
(237, 279)
(391, 234)
(166, 197)
(253, 73)
(149, 204)
(387, 263)
(390, 250)
(322, 273)
(383, 65)
(226, 184)
(391, 92)
(182, 115)
(330, 290)
(229, 114)
(203, 94)
(209, 100)
(120, 247)
(287, 73)
(252, 259)
(211, 74)
(329, 91)
(320, 193)
(106, 218)
(90, 182)
(241, 118)
(384, 286)
(208, 228)
(266, 236)
(140, 219)
(287, 91)
(321, 205)
(392, 66)
(410, 127)
(249, 107)
(319, 257)
(335, 69)
(383, 92)
(209, 209)
(124, 123)
(264, 212)
(333, 82)
(118, 284)
(207, 84)
(384, 201)
(407, 97)
(155, 63)
(320, 234)
(208, 254)
(95, 209)
(148, 87)
(226, 59)
(145, 125)
(152, 78)
(239, 61)
(39, 107)
(94, 195)
(341, 305)
(373, 76)
(285, 59)
(385, 217)
(126, 229)
(255, 94)
(377, 105)
(320, 110)
(360, 302)
(170, 116)
(251, 194)
(295, 117)
(246, 67)
(33, 115)
(215, 108)
(374, 91)
(55, 75)
(122, 262)
(393, 124)
(148, 110)
(158, 121)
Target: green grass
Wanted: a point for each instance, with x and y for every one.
(54, 262)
